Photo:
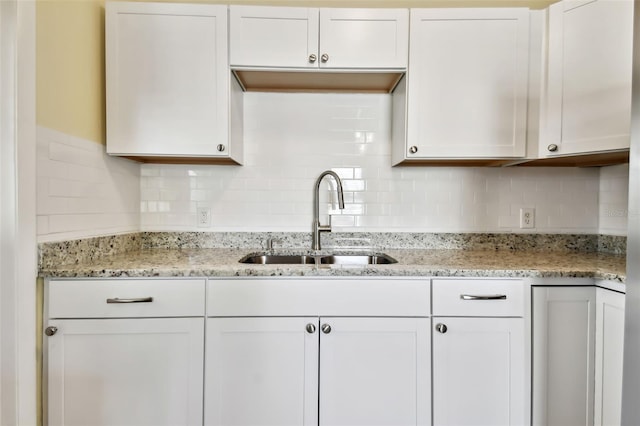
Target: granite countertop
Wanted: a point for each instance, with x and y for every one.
(217, 262)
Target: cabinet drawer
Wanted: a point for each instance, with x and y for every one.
(478, 298)
(316, 297)
(126, 298)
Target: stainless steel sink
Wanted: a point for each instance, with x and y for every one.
(278, 259)
(334, 259)
(357, 259)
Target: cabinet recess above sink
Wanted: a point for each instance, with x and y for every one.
(299, 49)
(318, 81)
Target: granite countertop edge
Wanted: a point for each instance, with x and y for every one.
(224, 263)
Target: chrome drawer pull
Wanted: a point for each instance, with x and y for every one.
(138, 300)
(483, 297)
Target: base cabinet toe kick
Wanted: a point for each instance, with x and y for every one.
(330, 351)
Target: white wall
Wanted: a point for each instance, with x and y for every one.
(291, 138)
(81, 191)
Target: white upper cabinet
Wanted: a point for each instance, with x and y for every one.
(273, 36)
(588, 99)
(466, 92)
(364, 38)
(293, 37)
(168, 83)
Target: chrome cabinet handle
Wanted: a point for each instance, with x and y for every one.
(324, 57)
(441, 328)
(552, 147)
(326, 328)
(137, 300)
(483, 297)
(413, 149)
(220, 148)
(50, 331)
(311, 328)
(312, 58)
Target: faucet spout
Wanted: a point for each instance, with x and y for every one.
(317, 227)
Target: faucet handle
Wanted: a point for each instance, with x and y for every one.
(327, 227)
(270, 242)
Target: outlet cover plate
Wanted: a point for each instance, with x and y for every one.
(203, 217)
(527, 218)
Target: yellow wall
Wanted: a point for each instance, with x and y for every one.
(70, 67)
(70, 55)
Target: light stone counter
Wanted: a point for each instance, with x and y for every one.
(219, 262)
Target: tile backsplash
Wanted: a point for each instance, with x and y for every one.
(613, 199)
(291, 138)
(81, 191)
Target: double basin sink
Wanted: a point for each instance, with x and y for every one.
(332, 259)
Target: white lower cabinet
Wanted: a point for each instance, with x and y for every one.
(578, 337)
(126, 372)
(479, 372)
(374, 371)
(563, 348)
(261, 371)
(318, 351)
(479, 363)
(120, 368)
(311, 370)
(608, 357)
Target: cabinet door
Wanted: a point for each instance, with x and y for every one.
(608, 357)
(263, 36)
(479, 372)
(374, 371)
(589, 81)
(364, 38)
(261, 371)
(126, 372)
(563, 363)
(467, 87)
(167, 79)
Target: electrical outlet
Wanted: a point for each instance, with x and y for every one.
(203, 215)
(527, 218)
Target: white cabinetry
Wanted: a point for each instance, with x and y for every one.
(479, 359)
(578, 337)
(293, 49)
(312, 369)
(369, 371)
(374, 371)
(563, 363)
(588, 99)
(466, 86)
(608, 357)
(261, 371)
(127, 360)
(293, 37)
(169, 92)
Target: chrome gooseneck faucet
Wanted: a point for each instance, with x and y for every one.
(317, 228)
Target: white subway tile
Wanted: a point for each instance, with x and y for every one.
(42, 225)
(289, 140)
(81, 192)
